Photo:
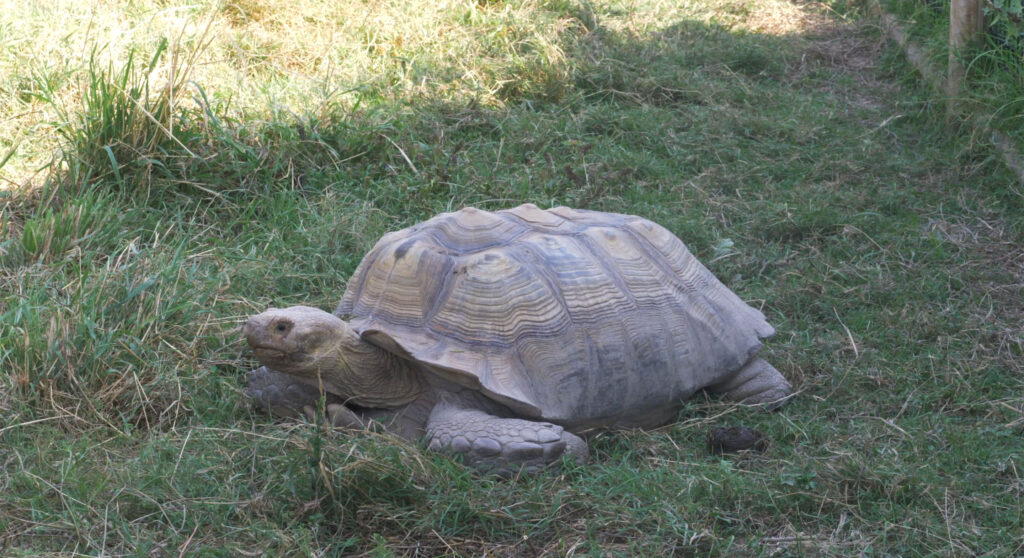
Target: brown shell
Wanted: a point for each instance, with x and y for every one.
(579, 317)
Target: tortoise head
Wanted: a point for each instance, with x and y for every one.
(323, 350)
(299, 340)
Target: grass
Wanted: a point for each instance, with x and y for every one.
(172, 168)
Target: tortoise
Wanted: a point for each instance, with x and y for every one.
(504, 336)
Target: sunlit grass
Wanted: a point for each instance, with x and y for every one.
(266, 59)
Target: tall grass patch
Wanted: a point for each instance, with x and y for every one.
(105, 341)
(123, 130)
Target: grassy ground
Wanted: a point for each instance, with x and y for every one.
(171, 168)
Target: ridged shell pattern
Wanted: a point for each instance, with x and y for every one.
(573, 316)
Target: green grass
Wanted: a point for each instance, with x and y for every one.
(785, 143)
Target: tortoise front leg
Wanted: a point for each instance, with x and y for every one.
(500, 446)
(286, 396)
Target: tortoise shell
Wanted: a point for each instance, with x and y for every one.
(576, 317)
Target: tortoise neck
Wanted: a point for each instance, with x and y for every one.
(372, 377)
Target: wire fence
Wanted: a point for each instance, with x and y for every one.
(984, 43)
(972, 52)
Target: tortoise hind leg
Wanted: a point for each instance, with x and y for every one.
(756, 383)
(501, 446)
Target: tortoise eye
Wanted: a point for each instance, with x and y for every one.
(281, 327)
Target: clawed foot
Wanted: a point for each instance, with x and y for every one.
(501, 446)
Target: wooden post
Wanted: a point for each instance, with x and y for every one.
(966, 25)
